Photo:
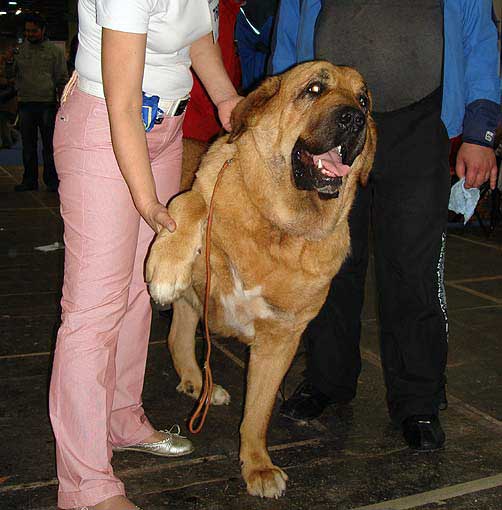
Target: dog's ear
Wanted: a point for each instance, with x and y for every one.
(370, 101)
(370, 146)
(365, 174)
(245, 110)
(368, 153)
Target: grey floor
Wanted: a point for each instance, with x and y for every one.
(351, 458)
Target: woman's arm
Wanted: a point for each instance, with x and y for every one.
(123, 61)
(208, 64)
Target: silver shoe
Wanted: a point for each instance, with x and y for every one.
(174, 445)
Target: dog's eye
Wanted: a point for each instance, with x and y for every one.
(363, 101)
(315, 88)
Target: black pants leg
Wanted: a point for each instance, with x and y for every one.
(47, 121)
(28, 126)
(33, 117)
(411, 186)
(5, 130)
(332, 338)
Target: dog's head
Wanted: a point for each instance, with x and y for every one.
(312, 128)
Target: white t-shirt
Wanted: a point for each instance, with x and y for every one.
(171, 26)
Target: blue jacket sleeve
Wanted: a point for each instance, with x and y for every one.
(482, 84)
(285, 36)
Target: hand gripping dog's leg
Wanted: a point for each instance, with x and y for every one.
(171, 258)
(269, 360)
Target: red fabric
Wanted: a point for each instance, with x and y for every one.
(201, 118)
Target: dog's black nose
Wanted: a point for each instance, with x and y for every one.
(351, 119)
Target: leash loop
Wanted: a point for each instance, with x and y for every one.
(202, 408)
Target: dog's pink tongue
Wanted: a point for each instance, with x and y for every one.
(332, 163)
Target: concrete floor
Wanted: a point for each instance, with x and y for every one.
(351, 458)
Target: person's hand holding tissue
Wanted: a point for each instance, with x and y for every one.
(477, 164)
(463, 201)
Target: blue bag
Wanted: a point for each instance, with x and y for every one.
(150, 112)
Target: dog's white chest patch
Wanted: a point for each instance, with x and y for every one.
(242, 307)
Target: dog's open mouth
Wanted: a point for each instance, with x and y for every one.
(321, 172)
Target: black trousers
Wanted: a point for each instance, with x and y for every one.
(407, 200)
(32, 118)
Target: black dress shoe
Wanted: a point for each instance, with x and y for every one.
(423, 432)
(26, 186)
(306, 403)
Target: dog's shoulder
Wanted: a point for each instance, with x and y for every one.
(211, 164)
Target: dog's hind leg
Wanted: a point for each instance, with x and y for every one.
(172, 255)
(181, 343)
(269, 360)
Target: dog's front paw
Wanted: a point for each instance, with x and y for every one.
(266, 482)
(168, 272)
(219, 397)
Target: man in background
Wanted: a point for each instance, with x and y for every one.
(8, 104)
(432, 69)
(40, 74)
(253, 32)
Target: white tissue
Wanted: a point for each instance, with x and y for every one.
(463, 201)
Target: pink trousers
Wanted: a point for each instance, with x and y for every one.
(99, 365)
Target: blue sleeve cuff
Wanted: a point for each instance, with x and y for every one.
(480, 122)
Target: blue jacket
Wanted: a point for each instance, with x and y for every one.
(471, 87)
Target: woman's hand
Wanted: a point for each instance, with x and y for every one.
(156, 215)
(225, 110)
(208, 64)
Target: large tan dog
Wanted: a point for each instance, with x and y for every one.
(279, 235)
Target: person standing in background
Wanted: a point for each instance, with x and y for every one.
(40, 75)
(8, 106)
(201, 119)
(72, 54)
(431, 67)
(253, 31)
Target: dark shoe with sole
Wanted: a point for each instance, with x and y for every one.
(306, 403)
(423, 432)
(26, 186)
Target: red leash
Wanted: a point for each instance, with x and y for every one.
(207, 388)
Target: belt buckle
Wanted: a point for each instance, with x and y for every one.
(181, 107)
